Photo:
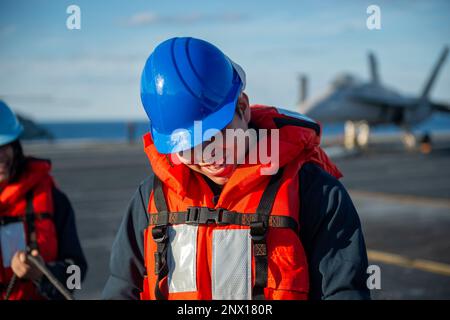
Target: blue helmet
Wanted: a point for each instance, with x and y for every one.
(186, 80)
(10, 127)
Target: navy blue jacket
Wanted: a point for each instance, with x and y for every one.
(330, 232)
(69, 248)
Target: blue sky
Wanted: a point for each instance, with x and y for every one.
(51, 73)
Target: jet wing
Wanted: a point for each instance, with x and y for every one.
(440, 107)
(393, 102)
(397, 102)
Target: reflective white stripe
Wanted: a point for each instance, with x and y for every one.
(294, 114)
(181, 258)
(12, 239)
(231, 264)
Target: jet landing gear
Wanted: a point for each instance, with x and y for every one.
(425, 143)
(356, 135)
(409, 140)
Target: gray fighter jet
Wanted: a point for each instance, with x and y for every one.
(364, 104)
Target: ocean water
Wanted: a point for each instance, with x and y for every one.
(120, 130)
(88, 130)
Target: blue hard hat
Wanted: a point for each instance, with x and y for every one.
(186, 80)
(10, 127)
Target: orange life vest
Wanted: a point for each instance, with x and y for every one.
(29, 200)
(246, 246)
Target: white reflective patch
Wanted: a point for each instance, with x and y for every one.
(294, 114)
(12, 239)
(182, 258)
(231, 265)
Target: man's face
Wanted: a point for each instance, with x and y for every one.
(6, 161)
(220, 170)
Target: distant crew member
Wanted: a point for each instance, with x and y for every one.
(426, 145)
(211, 223)
(35, 217)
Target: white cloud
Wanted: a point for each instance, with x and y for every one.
(150, 18)
(143, 18)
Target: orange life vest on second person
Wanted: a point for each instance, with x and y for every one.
(29, 200)
(246, 246)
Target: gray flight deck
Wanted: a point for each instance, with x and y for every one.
(403, 199)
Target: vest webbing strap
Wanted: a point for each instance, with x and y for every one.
(38, 216)
(160, 236)
(29, 219)
(32, 244)
(258, 232)
(205, 215)
(259, 223)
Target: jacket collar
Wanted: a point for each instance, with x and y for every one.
(296, 143)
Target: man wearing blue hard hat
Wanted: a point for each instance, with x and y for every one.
(35, 218)
(242, 202)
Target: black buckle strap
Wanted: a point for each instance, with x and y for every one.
(159, 234)
(220, 216)
(192, 215)
(11, 219)
(258, 231)
(162, 219)
(29, 220)
(7, 220)
(204, 215)
(161, 237)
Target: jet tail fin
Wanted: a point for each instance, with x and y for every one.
(303, 89)
(373, 67)
(429, 84)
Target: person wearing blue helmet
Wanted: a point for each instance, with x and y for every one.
(35, 218)
(242, 202)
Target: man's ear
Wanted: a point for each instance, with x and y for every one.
(244, 107)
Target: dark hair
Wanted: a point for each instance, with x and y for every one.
(19, 160)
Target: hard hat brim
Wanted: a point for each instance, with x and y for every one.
(8, 138)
